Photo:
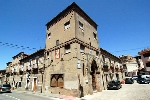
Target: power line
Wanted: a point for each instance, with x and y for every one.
(132, 49)
(15, 46)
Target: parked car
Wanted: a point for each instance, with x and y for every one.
(147, 77)
(142, 81)
(129, 80)
(135, 77)
(5, 88)
(114, 85)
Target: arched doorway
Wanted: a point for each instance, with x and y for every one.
(93, 74)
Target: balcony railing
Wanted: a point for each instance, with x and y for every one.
(7, 74)
(29, 71)
(105, 65)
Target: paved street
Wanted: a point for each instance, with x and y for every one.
(127, 92)
(23, 96)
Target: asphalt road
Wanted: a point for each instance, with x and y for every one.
(127, 92)
(22, 96)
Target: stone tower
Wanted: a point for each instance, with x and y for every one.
(71, 53)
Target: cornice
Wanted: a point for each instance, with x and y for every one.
(74, 40)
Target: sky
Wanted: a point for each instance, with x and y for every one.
(123, 25)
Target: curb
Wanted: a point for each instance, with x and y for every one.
(52, 96)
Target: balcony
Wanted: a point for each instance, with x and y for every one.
(117, 68)
(28, 71)
(7, 74)
(20, 72)
(105, 67)
(35, 71)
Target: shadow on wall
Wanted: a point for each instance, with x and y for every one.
(81, 91)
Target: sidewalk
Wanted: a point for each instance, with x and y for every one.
(52, 96)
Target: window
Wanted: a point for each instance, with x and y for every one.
(83, 68)
(47, 55)
(78, 64)
(82, 47)
(57, 80)
(80, 25)
(97, 53)
(30, 62)
(67, 48)
(57, 42)
(148, 64)
(22, 66)
(103, 57)
(36, 62)
(67, 25)
(90, 51)
(49, 35)
(109, 60)
(57, 53)
(28, 67)
(94, 34)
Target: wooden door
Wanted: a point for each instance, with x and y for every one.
(34, 87)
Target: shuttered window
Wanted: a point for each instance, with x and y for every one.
(57, 80)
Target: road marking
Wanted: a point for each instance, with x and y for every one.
(10, 96)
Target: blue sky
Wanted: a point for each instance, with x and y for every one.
(123, 25)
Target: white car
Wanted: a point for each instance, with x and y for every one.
(135, 77)
(147, 77)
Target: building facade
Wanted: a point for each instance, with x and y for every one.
(141, 69)
(2, 76)
(8, 72)
(112, 68)
(131, 65)
(72, 62)
(13, 68)
(72, 54)
(31, 73)
(145, 56)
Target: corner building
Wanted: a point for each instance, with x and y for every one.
(72, 54)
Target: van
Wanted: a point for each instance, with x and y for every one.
(147, 77)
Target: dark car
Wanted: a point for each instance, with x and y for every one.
(114, 85)
(5, 88)
(129, 80)
(142, 81)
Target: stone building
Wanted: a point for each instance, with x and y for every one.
(72, 54)
(2, 76)
(13, 69)
(31, 72)
(145, 56)
(72, 62)
(8, 72)
(131, 65)
(111, 68)
(141, 68)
